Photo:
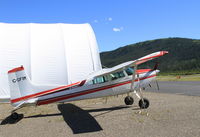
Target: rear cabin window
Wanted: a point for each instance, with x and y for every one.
(100, 79)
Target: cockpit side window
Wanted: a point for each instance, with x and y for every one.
(117, 75)
(129, 71)
(106, 78)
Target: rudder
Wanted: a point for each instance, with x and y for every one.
(19, 84)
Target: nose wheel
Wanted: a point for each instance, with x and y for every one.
(128, 100)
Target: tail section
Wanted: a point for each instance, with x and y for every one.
(20, 85)
(22, 91)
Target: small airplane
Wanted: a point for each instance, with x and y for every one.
(120, 79)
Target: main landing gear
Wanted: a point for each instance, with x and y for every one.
(128, 100)
(143, 102)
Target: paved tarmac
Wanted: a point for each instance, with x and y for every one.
(169, 115)
(178, 87)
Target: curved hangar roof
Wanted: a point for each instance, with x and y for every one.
(50, 53)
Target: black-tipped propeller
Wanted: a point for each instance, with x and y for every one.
(155, 68)
(157, 85)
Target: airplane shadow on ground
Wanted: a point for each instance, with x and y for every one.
(78, 119)
(9, 120)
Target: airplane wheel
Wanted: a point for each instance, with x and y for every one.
(128, 100)
(15, 116)
(145, 104)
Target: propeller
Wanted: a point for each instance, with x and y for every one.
(155, 68)
(157, 85)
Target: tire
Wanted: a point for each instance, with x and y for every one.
(128, 100)
(145, 104)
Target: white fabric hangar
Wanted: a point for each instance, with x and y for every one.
(50, 53)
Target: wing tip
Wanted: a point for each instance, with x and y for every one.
(164, 52)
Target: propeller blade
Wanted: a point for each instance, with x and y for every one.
(156, 66)
(157, 85)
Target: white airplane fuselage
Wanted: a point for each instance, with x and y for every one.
(89, 91)
(120, 79)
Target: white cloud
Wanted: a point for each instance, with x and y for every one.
(118, 29)
(96, 21)
(110, 19)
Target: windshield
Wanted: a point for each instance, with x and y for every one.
(129, 71)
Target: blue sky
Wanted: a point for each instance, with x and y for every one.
(116, 23)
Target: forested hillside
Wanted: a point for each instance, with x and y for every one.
(184, 54)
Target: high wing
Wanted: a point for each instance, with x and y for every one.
(150, 57)
(128, 64)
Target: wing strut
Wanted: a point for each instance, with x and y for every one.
(133, 77)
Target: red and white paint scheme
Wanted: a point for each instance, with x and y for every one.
(123, 78)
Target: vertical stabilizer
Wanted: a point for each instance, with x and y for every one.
(20, 84)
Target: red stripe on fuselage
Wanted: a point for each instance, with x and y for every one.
(68, 96)
(43, 92)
